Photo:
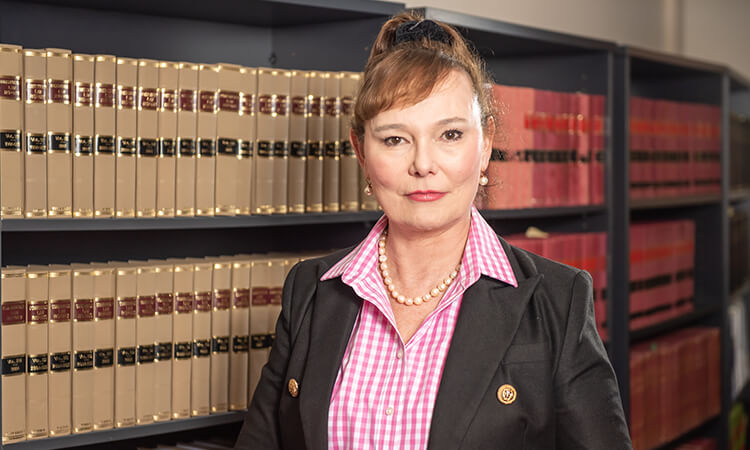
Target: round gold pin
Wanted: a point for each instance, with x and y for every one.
(506, 394)
(293, 387)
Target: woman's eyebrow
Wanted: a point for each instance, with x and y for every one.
(451, 120)
(398, 126)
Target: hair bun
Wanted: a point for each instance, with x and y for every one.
(423, 29)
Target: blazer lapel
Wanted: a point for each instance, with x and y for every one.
(490, 314)
(335, 310)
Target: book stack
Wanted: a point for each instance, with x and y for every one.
(674, 385)
(662, 258)
(738, 249)
(109, 345)
(105, 136)
(548, 149)
(675, 148)
(739, 151)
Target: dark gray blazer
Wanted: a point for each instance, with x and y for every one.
(540, 338)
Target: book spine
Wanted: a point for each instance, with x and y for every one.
(315, 120)
(246, 157)
(105, 74)
(220, 330)
(240, 338)
(183, 340)
(297, 142)
(264, 155)
(228, 139)
(83, 135)
(200, 404)
(103, 386)
(126, 122)
(166, 161)
(13, 330)
(145, 337)
(35, 141)
(83, 351)
(125, 347)
(59, 344)
(205, 164)
(281, 87)
(11, 128)
(277, 276)
(37, 372)
(59, 128)
(331, 143)
(147, 144)
(187, 122)
(259, 311)
(163, 342)
(349, 194)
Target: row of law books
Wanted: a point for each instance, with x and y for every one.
(105, 136)
(107, 345)
(739, 248)
(739, 151)
(548, 149)
(675, 148)
(675, 385)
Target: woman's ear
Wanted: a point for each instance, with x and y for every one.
(358, 148)
(488, 137)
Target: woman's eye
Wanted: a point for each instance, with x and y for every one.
(393, 140)
(452, 135)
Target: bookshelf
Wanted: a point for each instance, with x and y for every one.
(301, 34)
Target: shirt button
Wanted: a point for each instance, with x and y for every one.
(389, 411)
(400, 354)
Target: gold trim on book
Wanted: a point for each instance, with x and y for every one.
(10, 48)
(129, 422)
(104, 212)
(332, 207)
(237, 406)
(170, 64)
(83, 212)
(13, 274)
(12, 436)
(314, 208)
(350, 206)
(181, 415)
(106, 58)
(148, 62)
(84, 57)
(129, 61)
(59, 52)
(11, 212)
(39, 212)
(201, 411)
(34, 52)
(104, 425)
(125, 213)
(297, 209)
(58, 273)
(228, 66)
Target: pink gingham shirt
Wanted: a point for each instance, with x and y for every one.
(385, 390)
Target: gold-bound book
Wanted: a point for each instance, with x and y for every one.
(60, 357)
(349, 195)
(163, 340)
(83, 136)
(205, 165)
(105, 100)
(200, 404)
(264, 155)
(35, 138)
(248, 111)
(166, 170)
(220, 334)
(315, 119)
(331, 143)
(148, 133)
(187, 115)
(83, 348)
(228, 139)
(145, 337)
(182, 338)
(279, 268)
(281, 87)
(59, 129)
(125, 344)
(11, 129)
(37, 354)
(240, 340)
(297, 142)
(260, 339)
(103, 386)
(127, 99)
(13, 339)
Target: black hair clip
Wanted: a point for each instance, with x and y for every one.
(413, 30)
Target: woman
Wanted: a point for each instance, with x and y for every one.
(433, 332)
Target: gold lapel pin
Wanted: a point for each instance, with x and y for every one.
(506, 394)
(293, 387)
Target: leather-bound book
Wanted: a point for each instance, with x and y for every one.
(163, 340)
(127, 99)
(125, 344)
(350, 170)
(37, 354)
(145, 337)
(331, 143)
(315, 119)
(297, 165)
(240, 334)
(59, 128)
(11, 140)
(205, 164)
(246, 157)
(182, 337)
(35, 138)
(165, 164)
(59, 345)
(221, 315)
(83, 348)
(200, 382)
(264, 155)
(13, 332)
(228, 139)
(148, 133)
(282, 109)
(83, 135)
(103, 386)
(187, 123)
(260, 340)
(105, 101)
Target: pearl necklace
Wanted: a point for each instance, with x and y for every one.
(436, 292)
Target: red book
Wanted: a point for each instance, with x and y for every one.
(541, 123)
(597, 149)
(652, 405)
(579, 187)
(713, 378)
(636, 128)
(503, 144)
(670, 389)
(637, 396)
(637, 266)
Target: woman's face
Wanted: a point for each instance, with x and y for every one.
(425, 160)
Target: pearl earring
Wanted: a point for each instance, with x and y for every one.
(483, 180)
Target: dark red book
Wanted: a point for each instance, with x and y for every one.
(580, 178)
(598, 104)
(652, 405)
(638, 356)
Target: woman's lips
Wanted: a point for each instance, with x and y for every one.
(425, 196)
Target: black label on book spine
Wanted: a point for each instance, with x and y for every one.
(146, 353)
(246, 149)
(163, 351)
(59, 362)
(228, 146)
(241, 344)
(265, 149)
(84, 145)
(36, 143)
(38, 363)
(104, 357)
(126, 356)
(10, 140)
(297, 149)
(84, 360)
(125, 146)
(280, 149)
(147, 147)
(220, 344)
(105, 145)
(186, 147)
(183, 350)
(166, 147)
(258, 341)
(201, 348)
(59, 142)
(347, 149)
(332, 149)
(13, 365)
(314, 150)
(207, 147)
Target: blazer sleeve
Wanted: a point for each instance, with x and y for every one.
(261, 426)
(588, 408)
